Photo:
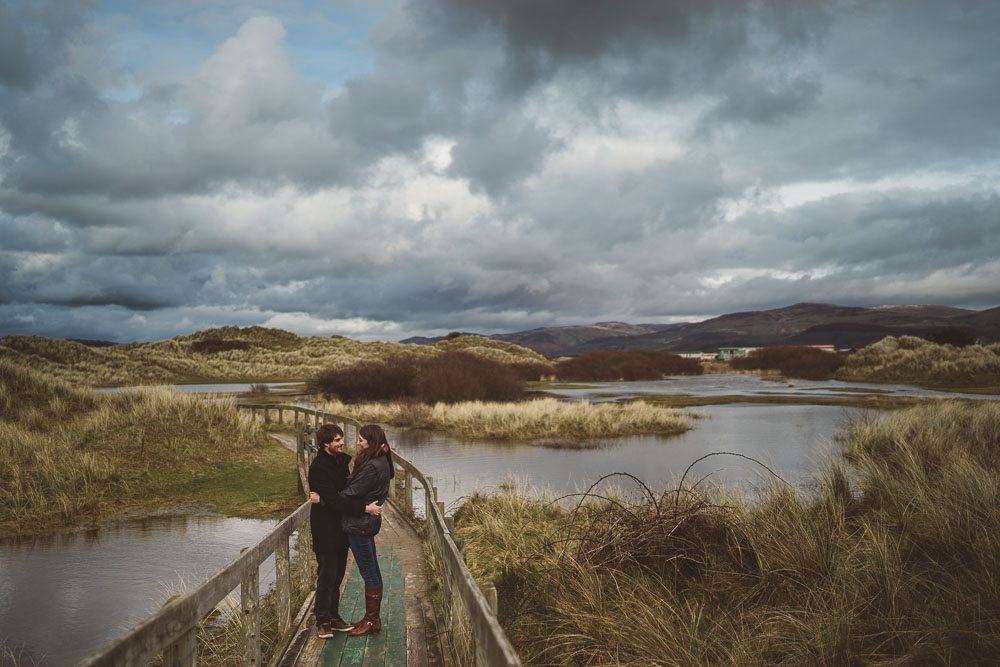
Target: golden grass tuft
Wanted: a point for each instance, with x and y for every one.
(540, 418)
(912, 360)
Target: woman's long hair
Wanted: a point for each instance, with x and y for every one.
(378, 445)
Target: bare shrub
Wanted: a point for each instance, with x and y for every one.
(531, 371)
(795, 361)
(369, 380)
(612, 365)
(458, 376)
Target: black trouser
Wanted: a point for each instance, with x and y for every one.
(329, 575)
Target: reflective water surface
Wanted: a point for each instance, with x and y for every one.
(64, 595)
(788, 439)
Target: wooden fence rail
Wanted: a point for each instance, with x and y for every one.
(473, 636)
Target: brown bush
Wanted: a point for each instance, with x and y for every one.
(611, 365)
(531, 371)
(449, 377)
(460, 376)
(794, 361)
(369, 381)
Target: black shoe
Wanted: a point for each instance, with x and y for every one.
(339, 625)
(325, 630)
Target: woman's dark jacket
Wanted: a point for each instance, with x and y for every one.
(369, 484)
(328, 475)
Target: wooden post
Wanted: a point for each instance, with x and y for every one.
(281, 416)
(184, 651)
(300, 457)
(305, 550)
(489, 591)
(267, 415)
(250, 605)
(409, 492)
(283, 586)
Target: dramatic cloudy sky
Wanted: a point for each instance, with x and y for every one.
(385, 168)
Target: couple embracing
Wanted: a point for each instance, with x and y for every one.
(347, 513)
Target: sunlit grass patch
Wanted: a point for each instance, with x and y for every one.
(541, 418)
(70, 456)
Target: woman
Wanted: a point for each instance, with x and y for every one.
(369, 481)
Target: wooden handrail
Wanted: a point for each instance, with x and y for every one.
(177, 621)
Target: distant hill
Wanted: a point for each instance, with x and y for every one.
(799, 324)
(250, 354)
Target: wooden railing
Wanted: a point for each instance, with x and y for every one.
(472, 637)
(172, 631)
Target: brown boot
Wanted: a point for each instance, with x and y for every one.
(372, 622)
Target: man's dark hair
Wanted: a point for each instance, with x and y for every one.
(327, 432)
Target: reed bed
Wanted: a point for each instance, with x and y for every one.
(70, 455)
(891, 558)
(523, 420)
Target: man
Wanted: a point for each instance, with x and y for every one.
(327, 475)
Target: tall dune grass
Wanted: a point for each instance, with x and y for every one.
(890, 559)
(69, 454)
(912, 360)
(228, 354)
(540, 418)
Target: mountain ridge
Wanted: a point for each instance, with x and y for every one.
(805, 323)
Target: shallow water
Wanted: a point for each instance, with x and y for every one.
(64, 595)
(791, 440)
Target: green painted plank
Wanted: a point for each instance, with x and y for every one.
(395, 653)
(375, 651)
(388, 647)
(352, 607)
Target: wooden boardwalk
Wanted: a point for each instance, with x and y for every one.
(409, 630)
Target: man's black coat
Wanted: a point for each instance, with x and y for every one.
(328, 475)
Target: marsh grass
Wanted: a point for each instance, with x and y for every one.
(70, 456)
(523, 420)
(890, 559)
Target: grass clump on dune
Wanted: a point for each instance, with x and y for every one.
(70, 456)
(890, 559)
(229, 354)
(540, 418)
(912, 360)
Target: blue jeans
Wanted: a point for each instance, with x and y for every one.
(363, 548)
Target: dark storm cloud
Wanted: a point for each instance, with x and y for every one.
(501, 165)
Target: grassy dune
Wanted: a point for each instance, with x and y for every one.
(911, 360)
(226, 354)
(70, 456)
(896, 566)
(540, 418)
